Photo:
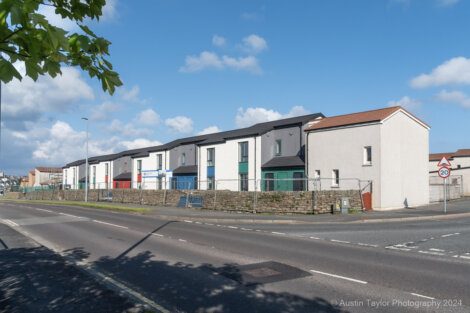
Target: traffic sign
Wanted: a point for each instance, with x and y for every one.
(444, 162)
(444, 172)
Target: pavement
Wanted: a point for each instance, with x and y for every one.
(193, 265)
(36, 279)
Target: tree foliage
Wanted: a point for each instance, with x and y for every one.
(27, 36)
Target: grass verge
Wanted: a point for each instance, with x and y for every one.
(94, 205)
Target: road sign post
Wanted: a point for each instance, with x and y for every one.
(444, 172)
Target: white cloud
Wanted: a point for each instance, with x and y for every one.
(210, 60)
(251, 116)
(62, 143)
(209, 130)
(405, 102)
(148, 117)
(110, 11)
(180, 124)
(218, 41)
(130, 95)
(104, 111)
(452, 72)
(27, 100)
(254, 44)
(127, 129)
(456, 97)
(139, 143)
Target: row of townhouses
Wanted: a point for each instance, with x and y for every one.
(385, 148)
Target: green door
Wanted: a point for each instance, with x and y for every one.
(282, 184)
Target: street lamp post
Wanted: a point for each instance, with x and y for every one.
(86, 160)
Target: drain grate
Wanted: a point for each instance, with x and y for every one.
(262, 273)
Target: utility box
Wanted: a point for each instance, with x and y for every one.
(345, 205)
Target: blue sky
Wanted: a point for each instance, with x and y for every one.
(190, 66)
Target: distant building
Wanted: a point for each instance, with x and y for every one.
(47, 176)
(460, 167)
(31, 178)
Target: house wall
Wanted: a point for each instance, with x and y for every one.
(343, 149)
(404, 162)
(462, 161)
(175, 155)
(226, 164)
(292, 142)
(149, 164)
(100, 175)
(122, 165)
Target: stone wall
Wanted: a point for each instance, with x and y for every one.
(300, 202)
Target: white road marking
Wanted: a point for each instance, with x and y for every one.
(341, 277)
(10, 223)
(421, 296)
(187, 221)
(158, 235)
(71, 215)
(277, 233)
(397, 248)
(316, 238)
(105, 223)
(464, 257)
(209, 224)
(198, 222)
(232, 227)
(182, 240)
(448, 235)
(431, 252)
(258, 230)
(367, 245)
(438, 250)
(247, 229)
(44, 210)
(340, 241)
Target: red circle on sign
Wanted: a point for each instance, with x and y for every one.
(444, 172)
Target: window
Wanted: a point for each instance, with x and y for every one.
(139, 166)
(459, 166)
(367, 155)
(183, 159)
(159, 162)
(243, 152)
(298, 181)
(317, 174)
(210, 183)
(243, 182)
(211, 157)
(335, 182)
(106, 169)
(269, 182)
(278, 148)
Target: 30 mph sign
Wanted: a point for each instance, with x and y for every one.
(444, 172)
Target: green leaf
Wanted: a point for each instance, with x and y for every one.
(8, 71)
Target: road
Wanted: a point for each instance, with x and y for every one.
(192, 266)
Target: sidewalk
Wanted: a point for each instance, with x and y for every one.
(460, 207)
(35, 279)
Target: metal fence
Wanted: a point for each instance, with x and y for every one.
(454, 188)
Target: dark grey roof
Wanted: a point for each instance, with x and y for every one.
(255, 130)
(287, 161)
(188, 169)
(123, 176)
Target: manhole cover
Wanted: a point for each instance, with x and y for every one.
(262, 273)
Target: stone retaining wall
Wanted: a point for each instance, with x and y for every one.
(301, 202)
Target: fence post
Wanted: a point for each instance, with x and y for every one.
(215, 193)
(255, 198)
(141, 188)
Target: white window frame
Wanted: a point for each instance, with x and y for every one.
(210, 156)
(278, 147)
(183, 159)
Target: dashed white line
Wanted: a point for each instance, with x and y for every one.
(437, 250)
(232, 227)
(448, 235)
(71, 215)
(397, 248)
(10, 223)
(186, 221)
(316, 238)
(158, 235)
(105, 223)
(340, 241)
(464, 257)
(209, 224)
(431, 252)
(277, 233)
(44, 210)
(247, 229)
(422, 296)
(197, 222)
(366, 245)
(340, 277)
(182, 240)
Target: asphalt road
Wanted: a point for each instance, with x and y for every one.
(192, 266)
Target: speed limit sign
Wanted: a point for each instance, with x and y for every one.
(444, 172)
